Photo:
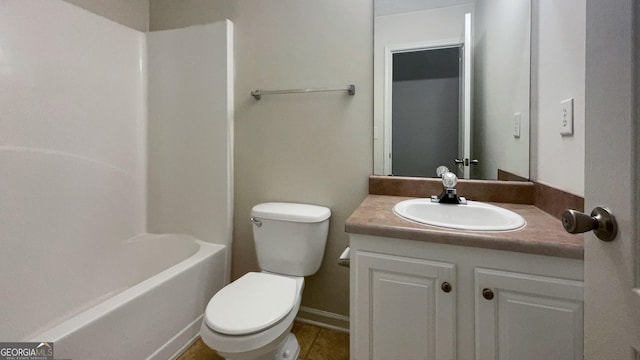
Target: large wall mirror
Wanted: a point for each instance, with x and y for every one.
(452, 87)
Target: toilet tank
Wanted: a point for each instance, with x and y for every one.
(290, 238)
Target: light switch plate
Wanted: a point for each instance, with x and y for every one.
(566, 117)
(517, 117)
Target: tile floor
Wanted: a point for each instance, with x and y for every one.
(316, 343)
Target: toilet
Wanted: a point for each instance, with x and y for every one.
(251, 318)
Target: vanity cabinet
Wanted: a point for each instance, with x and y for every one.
(419, 300)
(407, 308)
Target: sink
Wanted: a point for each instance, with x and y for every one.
(474, 215)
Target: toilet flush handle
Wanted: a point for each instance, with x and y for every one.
(255, 221)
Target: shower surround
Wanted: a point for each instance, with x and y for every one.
(80, 99)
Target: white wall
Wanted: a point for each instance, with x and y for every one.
(408, 28)
(191, 131)
(313, 148)
(72, 154)
(501, 86)
(558, 73)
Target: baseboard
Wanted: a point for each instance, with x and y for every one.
(323, 318)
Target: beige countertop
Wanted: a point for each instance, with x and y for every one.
(543, 234)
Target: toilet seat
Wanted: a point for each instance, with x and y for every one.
(254, 302)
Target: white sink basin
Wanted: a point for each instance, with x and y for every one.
(472, 216)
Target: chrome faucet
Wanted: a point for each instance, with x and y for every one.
(449, 195)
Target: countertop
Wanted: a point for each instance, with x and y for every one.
(542, 235)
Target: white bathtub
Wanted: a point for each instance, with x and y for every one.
(151, 306)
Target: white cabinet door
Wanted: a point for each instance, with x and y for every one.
(527, 317)
(402, 310)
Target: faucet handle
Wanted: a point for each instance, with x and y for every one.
(441, 170)
(449, 180)
(449, 195)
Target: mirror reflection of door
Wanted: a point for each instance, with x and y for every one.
(428, 115)
(426, 109)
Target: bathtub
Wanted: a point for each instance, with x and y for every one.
(150, 308)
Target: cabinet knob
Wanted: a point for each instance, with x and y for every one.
(487, 294)
(446, 287)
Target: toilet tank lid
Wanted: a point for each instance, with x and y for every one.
(291, 212)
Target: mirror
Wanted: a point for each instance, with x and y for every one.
(452, 87)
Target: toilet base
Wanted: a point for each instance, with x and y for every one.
(288, 349)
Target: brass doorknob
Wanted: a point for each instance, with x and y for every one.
(446, 287)
(487, 294)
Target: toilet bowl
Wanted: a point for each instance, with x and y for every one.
(251, 318)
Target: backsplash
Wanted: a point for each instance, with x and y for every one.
(480, 190)
(554, 201)
(548, 199)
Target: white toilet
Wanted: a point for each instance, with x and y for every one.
(251, 318)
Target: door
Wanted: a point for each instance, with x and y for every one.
(612, 291)
(531, 317)
(425, 109)
(405, 308)
(464, 160)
